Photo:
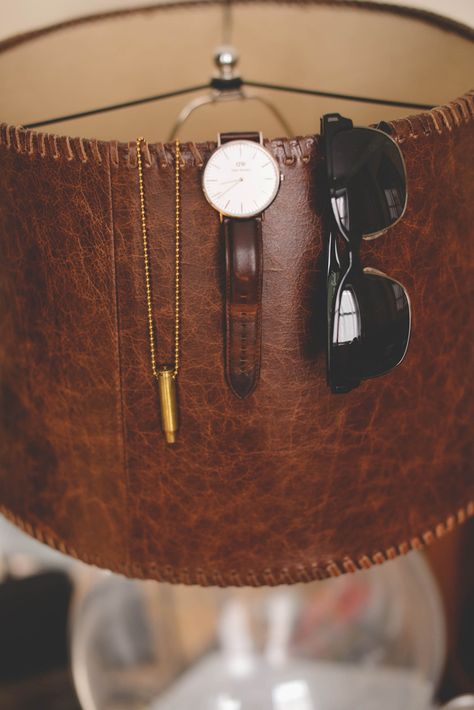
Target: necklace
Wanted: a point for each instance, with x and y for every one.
(165, 375)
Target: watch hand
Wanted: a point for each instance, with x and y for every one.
(230, 188)
(227, 182)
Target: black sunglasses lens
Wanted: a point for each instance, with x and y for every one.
(371, 330)
(368, 184)
(386, 318)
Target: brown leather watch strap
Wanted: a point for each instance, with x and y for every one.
(243, 249)
(240, 136)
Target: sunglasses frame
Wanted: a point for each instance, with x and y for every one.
(337, 275)
(331, 125)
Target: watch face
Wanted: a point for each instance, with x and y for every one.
(241, 179)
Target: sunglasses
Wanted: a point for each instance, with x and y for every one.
(368, 313)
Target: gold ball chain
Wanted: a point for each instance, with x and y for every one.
(177, 258)
(146, 259)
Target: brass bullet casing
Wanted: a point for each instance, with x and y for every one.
(168, 404)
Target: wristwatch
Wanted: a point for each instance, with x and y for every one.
(240, 180)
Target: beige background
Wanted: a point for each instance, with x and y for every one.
(70, 71)
(23, 15)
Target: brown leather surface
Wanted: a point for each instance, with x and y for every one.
(288, 485)
(244, 274)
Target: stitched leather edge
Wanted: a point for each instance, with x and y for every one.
(268, 577)
(439, 120)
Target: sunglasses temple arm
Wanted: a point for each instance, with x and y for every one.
(333, 275)
(332, 261)
(354, 255)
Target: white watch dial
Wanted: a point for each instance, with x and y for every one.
(241, 179)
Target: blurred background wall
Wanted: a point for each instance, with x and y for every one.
(24, 15)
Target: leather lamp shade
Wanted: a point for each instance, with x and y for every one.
(292, 483)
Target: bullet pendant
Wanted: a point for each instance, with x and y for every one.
(168, 404)
(167, 375)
